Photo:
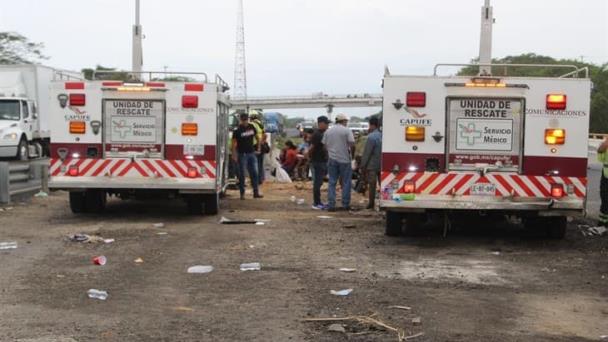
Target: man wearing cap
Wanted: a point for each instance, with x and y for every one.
(243, 153)
(339, 141)
(317, 154)
(602, 156)
(370, 161)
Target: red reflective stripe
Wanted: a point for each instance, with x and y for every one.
(140, 170)
(178, 168)
(74, 85)
(427, 183)
(540, 186)
(504, 183)
(462, 182)
(151, 167)
(523, 186)
(65, 163)
(101, 167)
(189, 166)
(88, 167)
(116, 166)
(577, 192)
(165, 168)
(126, 169)
(443, 184)
(207, 171)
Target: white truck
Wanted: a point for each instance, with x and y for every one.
(136, 139)
(493, 144)
(24, 109)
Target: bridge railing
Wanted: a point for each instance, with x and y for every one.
(363, 96)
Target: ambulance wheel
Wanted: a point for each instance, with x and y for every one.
(394, 223)
(95, 201)
(413, 223)
(212, 204)
(557, 227)
(23, 150)
(77, 204)
(195, 204)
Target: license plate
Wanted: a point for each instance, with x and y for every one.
(483, 189)
(194, 150)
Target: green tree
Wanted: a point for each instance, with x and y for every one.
(598, 74)
(17, 49)
(110, 74)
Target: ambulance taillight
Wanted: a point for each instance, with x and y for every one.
(555, 136)
(409, 187)
(414, 133)
(557, 190)
(78, 127)
(189, 101)
(78, 100)
(416, 99)
(189, 129)
(192, 172)
(557, 102)
(73, 171)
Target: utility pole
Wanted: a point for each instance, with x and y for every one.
(240, 63)
(485, 48)
(138, 58)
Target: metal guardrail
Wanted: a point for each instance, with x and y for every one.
(21, 178)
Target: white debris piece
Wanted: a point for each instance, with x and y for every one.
(341, 293)
(254, 266)
(200, 269)
(348, 270)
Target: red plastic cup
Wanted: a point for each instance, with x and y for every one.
(100, 260)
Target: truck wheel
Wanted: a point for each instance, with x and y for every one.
(22, 150)
(95, 201)
(212, 204)
(394, 223)
(77, 202)
(195, 204)
(556, 227)
(413, 222)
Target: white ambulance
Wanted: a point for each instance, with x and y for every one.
(139, 139)
(497, 145)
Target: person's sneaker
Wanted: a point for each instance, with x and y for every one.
(242, 197)
(325, 206)
(258, 196)
(318, 207)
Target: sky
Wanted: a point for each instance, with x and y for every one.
(300, 47)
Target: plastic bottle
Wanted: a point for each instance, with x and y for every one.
(8, 245)
(97, 294)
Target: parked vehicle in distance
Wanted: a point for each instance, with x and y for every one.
(274, 123)
(24, 109)
(359, 128)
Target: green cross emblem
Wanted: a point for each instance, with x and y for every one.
(470, 133)
(122, 129)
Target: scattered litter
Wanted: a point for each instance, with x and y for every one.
(407, 338)
(301, 201)
(41, 194)
(341, 293)
(362, 202)
(60, 276)
(254, 266)
(293, 198)
(108, 241)
(162, 233)
(79, 238)
(416, 321)
(8, 245)
(604, 337)
(138, 261)
(100, 260)
(348, 270)
(592, 231)
(158, 225)
(225, 220)
(97, 294)
(548, 270)
(367, 320)
(89, 238)
(200, 269)
(325, 217)
(260, 223)
(399, 307)
(350, 226)
(262, 220)
(336, 328)
(183, 309)
(495, 253)
(9, 208)
(251, 246)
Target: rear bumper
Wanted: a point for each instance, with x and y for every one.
(8, 151)
(548, 206)
(126, 183)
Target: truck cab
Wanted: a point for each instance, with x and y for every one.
(18, 122)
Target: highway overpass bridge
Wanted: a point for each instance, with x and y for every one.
(311, 101)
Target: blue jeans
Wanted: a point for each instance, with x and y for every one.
(319, 170)
(343, 171)
(261, 171)
(249, 161)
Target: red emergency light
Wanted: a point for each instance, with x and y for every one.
(155, 84)
(557, 190)
(73, 171)
(192, 172)
(409, 187)
(194, 87)
(557, 102)
(416, 99)
(74, 85)
(112, 84)
(78, 100)
(189, 101)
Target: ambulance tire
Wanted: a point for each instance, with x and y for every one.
(557, 227)
(394, 223)
(195, 204)
(212, 204)
(95, 201)
(77, 204)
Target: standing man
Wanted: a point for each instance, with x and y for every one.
(243, 153)
(370, 162)
(602, 156)
(317, 154)
(339, 141)
(260, 141)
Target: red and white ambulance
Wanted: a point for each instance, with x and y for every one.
(499, 145)
(136, 139)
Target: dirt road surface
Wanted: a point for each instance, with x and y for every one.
(485, 282)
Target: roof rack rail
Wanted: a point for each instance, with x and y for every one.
(575, 72)
(137, 75)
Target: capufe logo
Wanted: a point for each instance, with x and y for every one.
(417, 119)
